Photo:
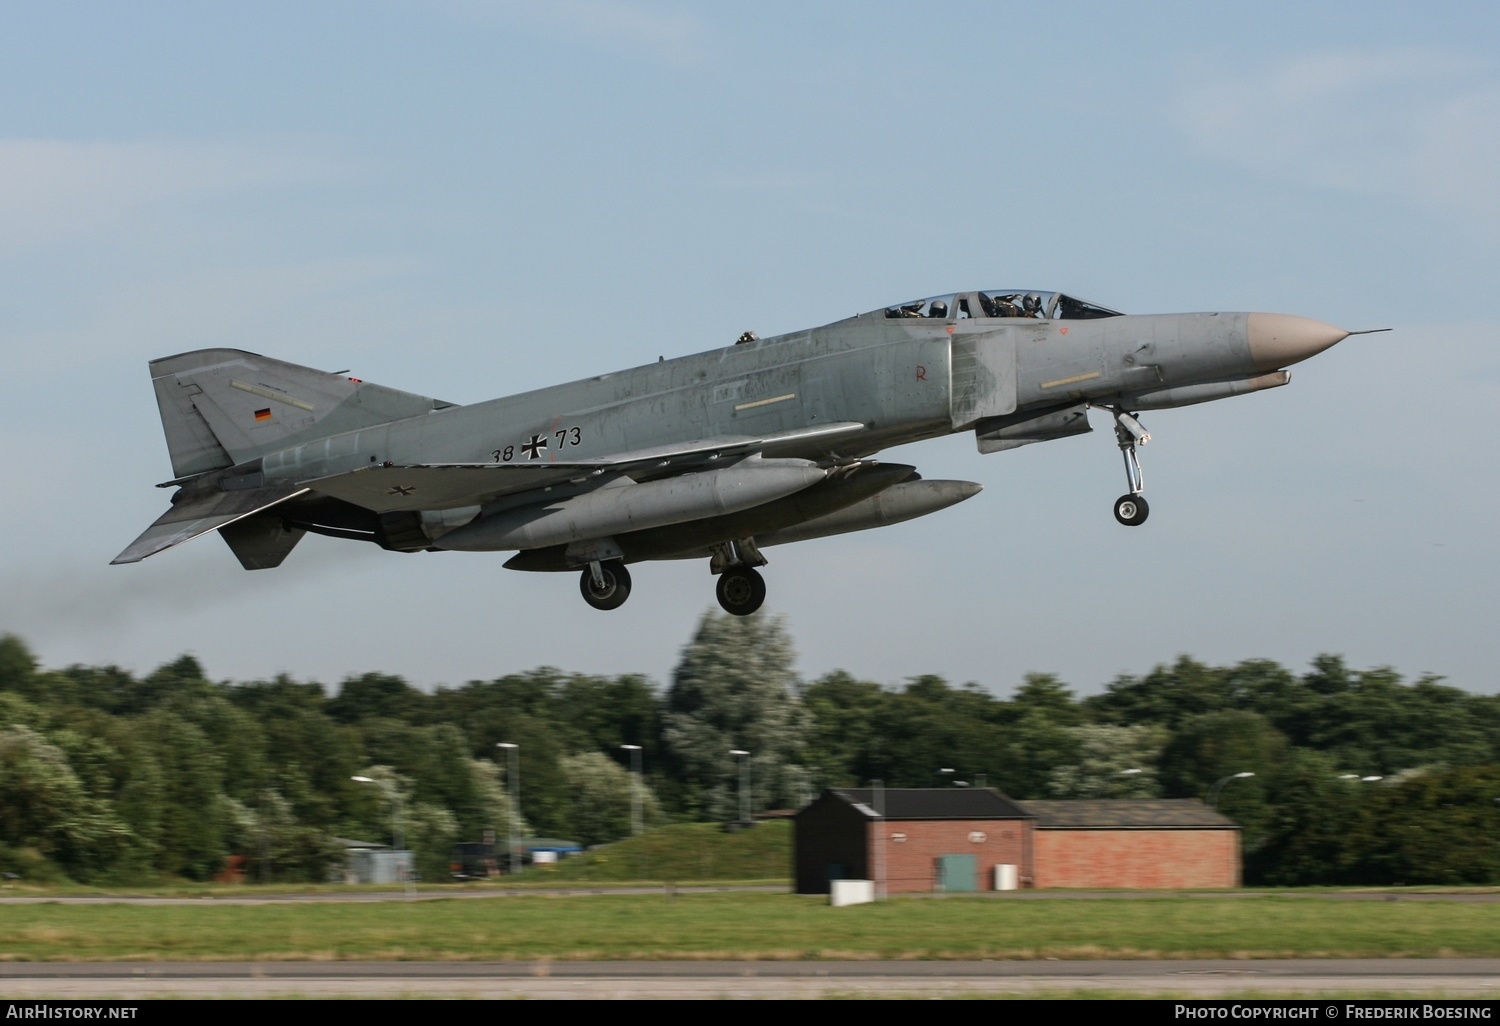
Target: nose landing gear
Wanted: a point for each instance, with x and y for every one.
(1131, 509)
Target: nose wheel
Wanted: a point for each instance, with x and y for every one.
(1131, 509)
(605, 585)
(740, 590)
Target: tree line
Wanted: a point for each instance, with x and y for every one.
(1335, 775)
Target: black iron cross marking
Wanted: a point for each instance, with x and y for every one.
(533, 448)
(402, 490)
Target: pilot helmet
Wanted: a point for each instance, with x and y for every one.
(1032, 303)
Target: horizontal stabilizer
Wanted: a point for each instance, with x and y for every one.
(198, 515)
(448, 485)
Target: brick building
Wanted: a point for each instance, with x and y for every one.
(1133, 843)
(934, 838)
(957, 839)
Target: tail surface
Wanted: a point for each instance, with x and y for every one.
(220, 407)
(223, 407)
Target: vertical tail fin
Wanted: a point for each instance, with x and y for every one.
(220, 407)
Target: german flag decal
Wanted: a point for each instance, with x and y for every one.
(263, 414)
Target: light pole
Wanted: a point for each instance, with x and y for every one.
(635, 788)
(744, 758)
(945, 774)
(1213, 794)
(393, 795)
(513, 778)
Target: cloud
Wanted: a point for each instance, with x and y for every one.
(1414, 125)
(54, 190)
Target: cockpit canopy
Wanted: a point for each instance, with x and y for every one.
(1049, 306)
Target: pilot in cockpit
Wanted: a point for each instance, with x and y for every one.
(1006, 307)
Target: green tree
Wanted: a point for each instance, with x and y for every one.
(17, 666)
(843, 745)
(1436, 827)
(734, 689)
(930, 726)
(1209, 748)
(426, 828)
(1313, 815)
(1109, 762)
(192, 817)
(43, 805)
(1038, 741)
(374, 694)
(601, 792)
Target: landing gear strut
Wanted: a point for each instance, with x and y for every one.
(1131, 508)
(605, 585)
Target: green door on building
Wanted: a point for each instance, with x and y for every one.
(958, 873)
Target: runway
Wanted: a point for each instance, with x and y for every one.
(1432, 978)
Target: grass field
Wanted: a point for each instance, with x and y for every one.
(750, 926)
(683, 852)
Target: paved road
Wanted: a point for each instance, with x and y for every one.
(1449, 977)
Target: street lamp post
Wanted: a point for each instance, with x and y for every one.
(513, 778)
(744, 758)
(945, 774)
(635, 788)
(393, 795)
(1213, 794)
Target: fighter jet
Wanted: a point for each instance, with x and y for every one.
(715, 456)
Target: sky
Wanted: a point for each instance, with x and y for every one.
(471, 198)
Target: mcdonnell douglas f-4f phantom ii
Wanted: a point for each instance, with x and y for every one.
(711, 456)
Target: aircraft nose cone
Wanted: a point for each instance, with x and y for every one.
(1279, 340)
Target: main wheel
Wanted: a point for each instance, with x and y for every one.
(616, 586)
(740, 590)
(1131, 510)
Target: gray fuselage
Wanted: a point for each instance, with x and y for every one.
(903, 379)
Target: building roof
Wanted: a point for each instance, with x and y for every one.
(1127, 814)
(932, 802)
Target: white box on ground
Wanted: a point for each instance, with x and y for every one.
(850, 892)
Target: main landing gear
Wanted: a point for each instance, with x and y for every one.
(741, 590)
(1131, 508)
(605, 585)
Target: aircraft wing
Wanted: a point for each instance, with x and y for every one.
(389, 489)
(198, 515)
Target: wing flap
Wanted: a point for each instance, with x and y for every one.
(198, 515)
(447, 485)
